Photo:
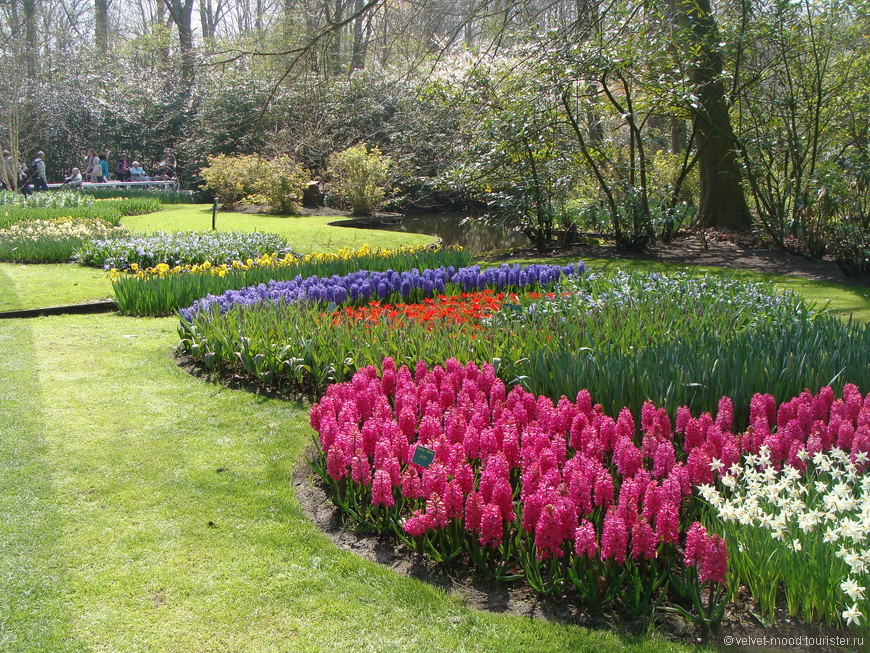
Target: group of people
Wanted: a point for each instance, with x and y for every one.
(21, 176)
(95, 169)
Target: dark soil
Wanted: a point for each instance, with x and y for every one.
(518, 599)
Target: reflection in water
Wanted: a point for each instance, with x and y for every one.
(473, 235)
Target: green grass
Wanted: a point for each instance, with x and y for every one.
(841, 300)
(305, 234)
(144, 510)
(38, 286)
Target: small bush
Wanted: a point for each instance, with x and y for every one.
(232, 178)
(358, 178)
(280, 184)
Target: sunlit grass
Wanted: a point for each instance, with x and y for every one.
(144, 510)
(304, 233)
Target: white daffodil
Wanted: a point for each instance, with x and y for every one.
(852, 615)
(852, 589)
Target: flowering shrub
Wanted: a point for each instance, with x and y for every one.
(560, 491)
(359, 287)
(162, 290)
(800, 501)
(179, 248)
(52, 241)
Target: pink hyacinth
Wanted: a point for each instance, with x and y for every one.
(382, 489)
(643, 541)
(696, 545)
(360, 470)
(418, 523)
(614, 537)
(550, 531)
(473, 510)
(714, 564)
(491, 527)
(585, 543)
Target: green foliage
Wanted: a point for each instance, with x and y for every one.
(626, 338)
(280, 184)
(231, 178)
(358, 178)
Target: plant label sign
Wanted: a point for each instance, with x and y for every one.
(423, 456)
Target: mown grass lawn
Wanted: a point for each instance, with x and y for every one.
(305, 233)
(144, 510)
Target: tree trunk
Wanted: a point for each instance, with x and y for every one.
(31, 43)
(207, 20)
(181, 12)
(101, 25)
(361, 31)
(722, 203)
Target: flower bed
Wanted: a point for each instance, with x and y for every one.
(181, 248)
(52, 241)
(106, 210)
(676, 341)
(162, 290)
(801, 502)
(363, 285)
(58, 200)
(558, 492)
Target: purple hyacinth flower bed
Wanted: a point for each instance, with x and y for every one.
(365, 286)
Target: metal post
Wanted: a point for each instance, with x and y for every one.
(214, 215)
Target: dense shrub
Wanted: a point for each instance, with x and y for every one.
(278, 182)
(358, 178)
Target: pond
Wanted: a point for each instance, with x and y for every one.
(451, 228)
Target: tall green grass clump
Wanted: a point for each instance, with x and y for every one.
(165, 290)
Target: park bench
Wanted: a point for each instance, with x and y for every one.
(162, 184)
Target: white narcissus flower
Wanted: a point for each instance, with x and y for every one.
(852, 589)
(852, 615)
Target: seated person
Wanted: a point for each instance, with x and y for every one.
(137, 173)
(122, 169)
(74, 180)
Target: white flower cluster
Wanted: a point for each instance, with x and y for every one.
(61, 229)
(831, 500)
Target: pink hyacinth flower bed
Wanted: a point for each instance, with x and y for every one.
(559, 493)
